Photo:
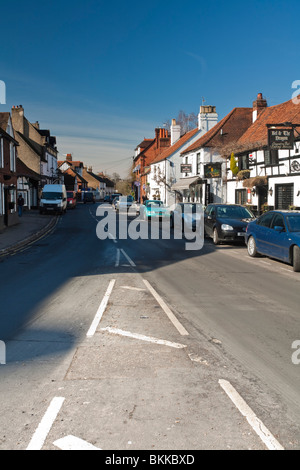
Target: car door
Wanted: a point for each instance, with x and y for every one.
(263, 233)
(279, 241)
(209, 220)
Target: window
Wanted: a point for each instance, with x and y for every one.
(271, 157)
(12, 157)
(198, 163)
(278, 221)
(244, 162)
(1, 154)
(1, 199)
(266, 219)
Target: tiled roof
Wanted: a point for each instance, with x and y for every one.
(173, 148)
(228, 130)
(278, 114)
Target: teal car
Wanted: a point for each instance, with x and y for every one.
(155, 209)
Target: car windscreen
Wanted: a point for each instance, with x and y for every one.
(232, 212)
(70, 194)
(49, 196)
(154, 204)
(293, 222)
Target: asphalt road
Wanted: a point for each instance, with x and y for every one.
(202, 317)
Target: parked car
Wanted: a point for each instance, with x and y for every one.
(123, 203)
(106, 199)
(189, 214)
(226, 222)
(276, 234)
(154, 209)
(114, 202)
(89, 197)
(113, 196)
(53, 199)
(71, 199)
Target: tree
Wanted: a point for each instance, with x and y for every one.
(187, 122)
(233, 165)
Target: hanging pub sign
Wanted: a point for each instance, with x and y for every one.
(280, 139)
(212, 170)
(185, 168)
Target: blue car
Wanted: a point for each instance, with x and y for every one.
(276, 234)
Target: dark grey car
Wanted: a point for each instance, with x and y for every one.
(226, 222)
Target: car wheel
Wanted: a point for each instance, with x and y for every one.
(251, 247)
(296, 258)
(216, 239)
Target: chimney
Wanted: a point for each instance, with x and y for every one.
(207, 118)
(258, 105)
(36, 124)
(69, 157)
(175, 131)
(162, 138)
(90, 169)
(17, 116)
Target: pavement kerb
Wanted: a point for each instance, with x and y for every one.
(29, 240)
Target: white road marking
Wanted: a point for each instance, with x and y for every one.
(111, 236)
(167, 310)
(265, 262)
(149, 339)
(127, 257)
(133, 288)
(117, 263)
(101, 309)
(256, 424)
(46, 424)
(74, 443)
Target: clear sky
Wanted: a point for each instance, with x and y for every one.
(101, 75)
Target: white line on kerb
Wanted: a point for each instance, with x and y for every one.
(46, 424)
(149, 339)
(166, 309)
(128, 259)
(101, 309)
(256, 424)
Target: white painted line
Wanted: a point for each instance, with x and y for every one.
(256, 424)
(46, 424)
(265, 262)
(117, 264)
(133, 288)
(149, 339)
(112, 238)
(128, 259)
(74, 443)
(286, 269)
(166, 309)
(101, 309)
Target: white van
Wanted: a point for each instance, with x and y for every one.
(54, 198)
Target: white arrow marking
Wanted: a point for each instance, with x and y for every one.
(74, 443)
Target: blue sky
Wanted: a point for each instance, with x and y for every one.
(102, 75)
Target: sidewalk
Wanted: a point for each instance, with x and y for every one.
(32, 226)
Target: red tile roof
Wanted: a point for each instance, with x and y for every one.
(257, 134)
(225, 132)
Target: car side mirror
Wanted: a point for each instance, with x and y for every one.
(279, 228)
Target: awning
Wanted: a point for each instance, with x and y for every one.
(185, 183)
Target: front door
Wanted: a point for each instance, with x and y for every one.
(284, 196)
(262, 193)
